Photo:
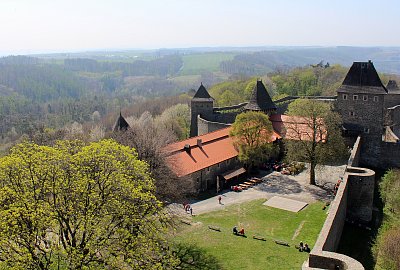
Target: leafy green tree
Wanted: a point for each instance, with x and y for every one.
(252, 132)
(79, 206)
(387, 244)
(314, 134)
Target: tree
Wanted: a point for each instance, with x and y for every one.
(387, 244)
(313, 134)
(148, 138)
(252, 132)
(79, 206)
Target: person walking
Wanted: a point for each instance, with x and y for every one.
(219, 199)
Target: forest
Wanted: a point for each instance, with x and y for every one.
(57, 91)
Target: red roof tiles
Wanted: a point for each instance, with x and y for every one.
(217, 146)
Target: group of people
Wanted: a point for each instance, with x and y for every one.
(188, 208)
(236, 232)
(304, 247)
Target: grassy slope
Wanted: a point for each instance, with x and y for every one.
(236, 252)
(196, 63)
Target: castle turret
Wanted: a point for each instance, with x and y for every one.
(121, 124)
(392, 87)
(361, 103)
(260, 100)
(201, 104)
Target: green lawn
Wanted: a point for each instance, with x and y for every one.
(194, 64)
(235, 252)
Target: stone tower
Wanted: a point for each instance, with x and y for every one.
(361, 103)
(260, 100)
(201, 104)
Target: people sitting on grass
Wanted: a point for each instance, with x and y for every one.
(306, 248)
(301, 246)
(241, 232)
(235, 230)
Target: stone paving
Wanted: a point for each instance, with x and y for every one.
(275, 184)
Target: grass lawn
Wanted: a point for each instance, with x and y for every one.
(236, 252)
(194, 64)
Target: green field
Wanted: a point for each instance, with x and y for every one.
(236, 252)
(194, 64)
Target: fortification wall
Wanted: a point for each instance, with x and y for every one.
(323, 255)
(225, 118)
(390, 157)
(228, 108)
(205, 126)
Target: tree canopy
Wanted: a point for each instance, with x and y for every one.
(314, 134)
(387, 244)
(79, 206)
(252, 132)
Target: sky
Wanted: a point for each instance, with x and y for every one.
(33, 26)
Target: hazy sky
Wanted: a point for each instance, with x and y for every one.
(69, 25)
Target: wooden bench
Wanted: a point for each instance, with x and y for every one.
(243, 186)
(248, 183)
(283, 243)
(257, 237)
(187, 222)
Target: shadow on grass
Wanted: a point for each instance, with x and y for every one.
(193, 257)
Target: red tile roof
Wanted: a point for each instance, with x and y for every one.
(294, 127)
(217, 146)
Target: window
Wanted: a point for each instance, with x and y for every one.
(208, 169)
(355, 97)
(366, 130)
(351, 113)
(218, 165)
(344, 96)
(365, 98)
(375, 98)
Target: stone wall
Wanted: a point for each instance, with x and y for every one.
(206, 179)
(323, 255)
(364, 112)
(392, 100)
(205, 126)
(204, 108)
(390, 155)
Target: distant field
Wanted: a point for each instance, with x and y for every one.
(236, 252)
(186, 81)
(196, 63)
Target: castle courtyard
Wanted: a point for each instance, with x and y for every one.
(274, 183)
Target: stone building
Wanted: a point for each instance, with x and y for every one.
(207, 118)
(370, 109)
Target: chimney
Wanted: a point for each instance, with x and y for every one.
(199, 143)
(187, 148)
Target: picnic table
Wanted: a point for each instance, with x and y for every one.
(244, 186)
(256, 180)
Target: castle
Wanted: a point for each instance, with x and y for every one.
(368, 109)
(371, 126)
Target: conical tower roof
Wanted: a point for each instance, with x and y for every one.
(260, 99)
(363, 77)
(392, 87)
(120, 124)
(202, 94)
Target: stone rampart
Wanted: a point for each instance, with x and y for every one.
(205, 126)
(323, 255)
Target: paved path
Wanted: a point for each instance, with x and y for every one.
(274, 184)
